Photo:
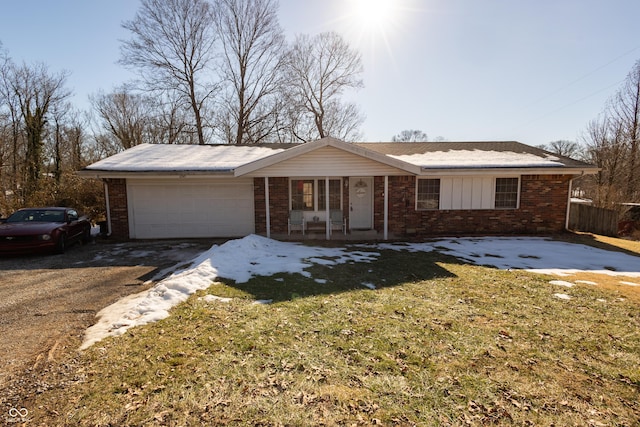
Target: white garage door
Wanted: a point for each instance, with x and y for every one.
(186, 208)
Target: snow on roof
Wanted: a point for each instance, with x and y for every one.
(227, 158)
(479, 159)
(168, 157)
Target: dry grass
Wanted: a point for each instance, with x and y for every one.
(437, 343)
(605, 242)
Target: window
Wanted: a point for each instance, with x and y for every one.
(506, 193)
(310, 194)
(334, 194)
(428, 194)
(302, 194)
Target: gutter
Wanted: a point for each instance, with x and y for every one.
(506, 171)
(175, 174)
(108, 206)
(566, 219)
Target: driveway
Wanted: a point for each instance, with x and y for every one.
(47, 301)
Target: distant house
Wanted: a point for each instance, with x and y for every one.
(373, 190)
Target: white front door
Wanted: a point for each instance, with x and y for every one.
(361, 203)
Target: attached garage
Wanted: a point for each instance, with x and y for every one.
(178, 208)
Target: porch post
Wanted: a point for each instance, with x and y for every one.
(326, 207)
(266, 201)
(386, 207)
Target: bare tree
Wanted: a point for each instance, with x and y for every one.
(252, 46)
(563, 148)
(76, 137)
(172, 50)
(122, 114)
(411, 135)
(12, 140)
(603, 148)
(319, 70)
(37, 91)
(612, 144)
(58, 113)
(625, 110)
(168, 124)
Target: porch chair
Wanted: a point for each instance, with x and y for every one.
(338, 221)
(296, 220)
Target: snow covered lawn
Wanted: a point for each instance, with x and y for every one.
(242, 259)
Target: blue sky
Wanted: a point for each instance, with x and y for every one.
(534, 71)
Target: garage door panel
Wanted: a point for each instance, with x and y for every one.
(170, 209)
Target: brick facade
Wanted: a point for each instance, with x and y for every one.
(118, 209)
(543, 204)
(278, 204)
(542, 209)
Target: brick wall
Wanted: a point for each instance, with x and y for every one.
(543, 204)
(543, 201)
(118, 209)
(278, 204)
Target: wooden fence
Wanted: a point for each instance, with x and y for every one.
(593, 220)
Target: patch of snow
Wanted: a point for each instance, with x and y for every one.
(630, 283)
(369, 285)
(214, 298)
(586, 282)
(562, 296)
(238, 260)
(182, 157)
(540, 255)
(562, 283)
(251, 256)
(479, 159)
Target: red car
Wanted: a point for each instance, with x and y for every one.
(37, 229)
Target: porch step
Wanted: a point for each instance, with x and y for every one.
(363, 234)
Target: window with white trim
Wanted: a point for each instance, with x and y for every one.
(302, 194)
(334, 194)
(310, 194)
(428, 194)
(506, 195)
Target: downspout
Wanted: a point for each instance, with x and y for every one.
(266, 199)
(326, 206)
(386, 207)
(566, 220)
(106, 198)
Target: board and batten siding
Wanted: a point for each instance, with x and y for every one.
(468, 192)
(328, 161)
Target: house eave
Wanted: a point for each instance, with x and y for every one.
(102, 174)
(432, 171)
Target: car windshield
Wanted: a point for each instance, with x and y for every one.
(37, 215)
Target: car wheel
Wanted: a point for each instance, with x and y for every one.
(86, 236)
(61, 246)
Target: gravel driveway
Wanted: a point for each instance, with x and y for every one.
(47, 301)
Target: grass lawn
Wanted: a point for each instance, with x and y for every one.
(435, 343)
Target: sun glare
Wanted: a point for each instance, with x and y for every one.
(373, 15)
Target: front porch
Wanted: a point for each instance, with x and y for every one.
(314, 235)
(322, 208)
